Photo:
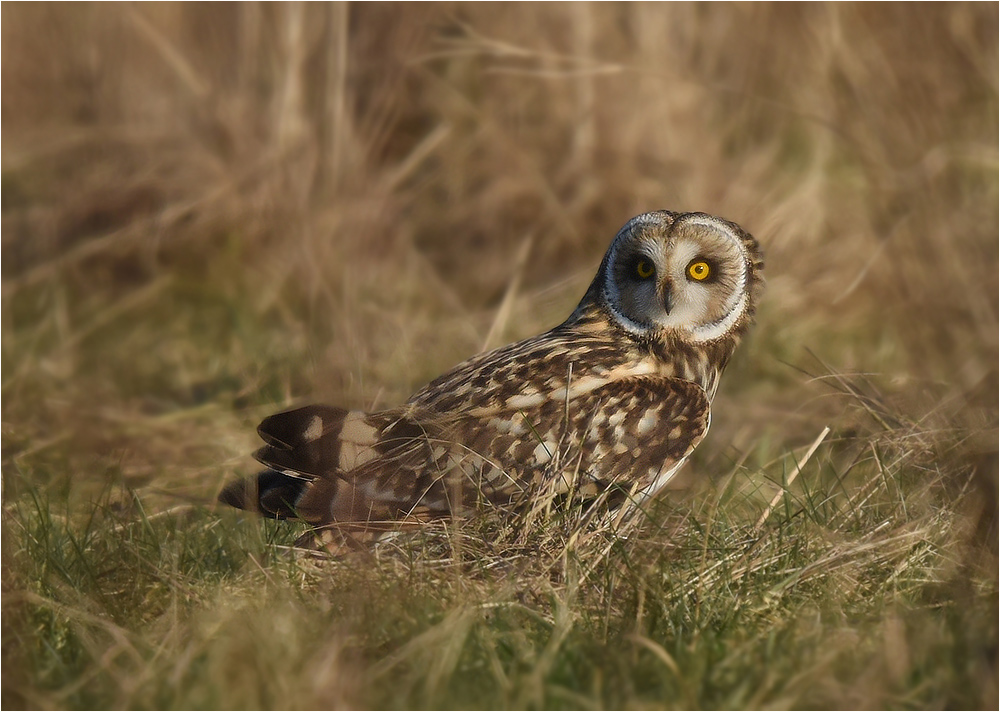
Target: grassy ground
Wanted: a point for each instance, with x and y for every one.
(214, 212)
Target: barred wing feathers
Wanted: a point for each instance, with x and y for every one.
(333, 467)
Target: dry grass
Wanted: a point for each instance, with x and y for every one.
(214, 211)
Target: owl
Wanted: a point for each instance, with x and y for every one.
(614, 398)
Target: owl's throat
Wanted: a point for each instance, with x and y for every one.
(699, 363)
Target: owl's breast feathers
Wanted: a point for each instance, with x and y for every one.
(567, 412)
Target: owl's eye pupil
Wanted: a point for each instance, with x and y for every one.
(699, 270)
(644, 269)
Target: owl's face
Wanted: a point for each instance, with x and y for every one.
(689, 275)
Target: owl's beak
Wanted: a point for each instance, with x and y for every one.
(667, 301)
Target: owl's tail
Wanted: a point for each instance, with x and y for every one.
(269, 493)
(326, 504)
(313, 457)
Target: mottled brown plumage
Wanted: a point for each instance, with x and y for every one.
(618, 394)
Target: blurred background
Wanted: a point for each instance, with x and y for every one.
(211, 211)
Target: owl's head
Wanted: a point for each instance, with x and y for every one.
(689, 276)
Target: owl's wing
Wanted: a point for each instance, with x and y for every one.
(365, 471)
(634, 433)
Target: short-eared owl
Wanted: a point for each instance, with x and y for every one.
(618, 396)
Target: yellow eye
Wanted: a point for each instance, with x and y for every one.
(644, 269)
(699, 270)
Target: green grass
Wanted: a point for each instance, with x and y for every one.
(189, 246)
(830, 603)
